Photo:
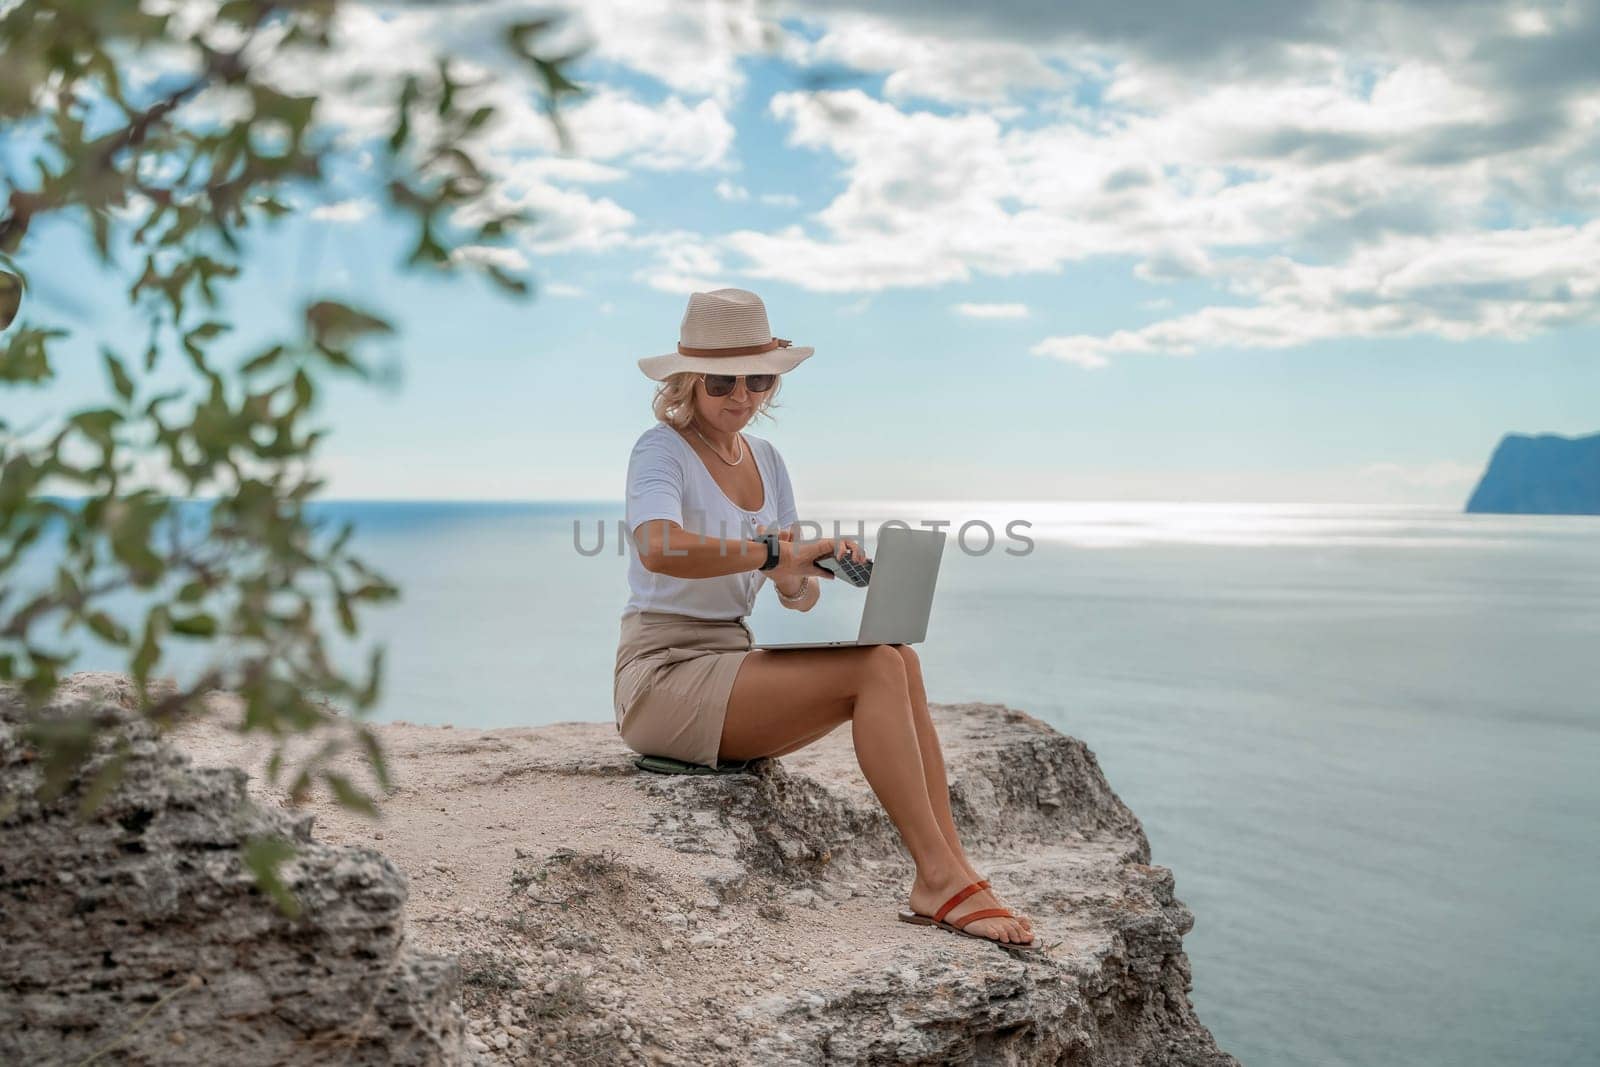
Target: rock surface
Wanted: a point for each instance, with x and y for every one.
(140, 935)
(605, 915)
(1543, 475)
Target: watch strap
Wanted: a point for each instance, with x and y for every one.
(773, 555)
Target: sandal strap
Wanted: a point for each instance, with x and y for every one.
(982, 913)
(956, 899)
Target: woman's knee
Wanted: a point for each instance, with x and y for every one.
(884, 662)
(879, 667)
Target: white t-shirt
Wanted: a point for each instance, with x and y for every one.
(667, 479)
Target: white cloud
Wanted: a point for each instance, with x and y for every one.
(684, 263)
(736, 193)
(1498, 283)
(1329, 175)
(612, 124)
(505, 258)
(563, 289)
(693, 48)
(992, 311)
(949, 70)
(569, 169)
(1064, 349)
(613, 131)
(1334, 169)
(343, 211)
(564, 220)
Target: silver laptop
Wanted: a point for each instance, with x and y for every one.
(900, 594)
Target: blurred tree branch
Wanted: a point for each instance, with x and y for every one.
(189, 503)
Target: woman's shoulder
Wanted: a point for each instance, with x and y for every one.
(761, 444)
(654, 451)
(657, 436)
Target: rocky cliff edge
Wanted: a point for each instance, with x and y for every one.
(530, 896)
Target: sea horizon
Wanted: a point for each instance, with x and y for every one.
(1352, 731)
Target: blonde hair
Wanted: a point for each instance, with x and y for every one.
(674, 399)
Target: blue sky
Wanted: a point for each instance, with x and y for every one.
(1047, 256)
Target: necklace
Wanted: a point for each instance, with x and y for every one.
(719, 455)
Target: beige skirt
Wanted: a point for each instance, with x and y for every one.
(673, 676)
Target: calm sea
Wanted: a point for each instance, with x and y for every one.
(1366, 741)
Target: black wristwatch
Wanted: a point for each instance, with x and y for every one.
(771, 541)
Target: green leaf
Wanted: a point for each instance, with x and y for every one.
(377, 592)
(206, 331)
(263, 856)
(197, 625)
(149, 652)
(263, 361)
(119, 374)
(97, 423)
(106, 628)
(429, 249)
(348, 795)
(402, 130)
(334, 324)
(106, 779)
(375, 757)
(508, 282)
(10, 298)
(447, 93)
(25, 358)
(347, 616)
(244, 12)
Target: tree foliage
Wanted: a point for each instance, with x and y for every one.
(186, 493)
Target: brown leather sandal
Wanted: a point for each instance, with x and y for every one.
(956, 926)
(984, 882)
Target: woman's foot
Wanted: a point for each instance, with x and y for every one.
(927, 898)
(1027, 923)
(974, 876)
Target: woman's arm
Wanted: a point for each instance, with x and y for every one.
(789, 587)
(813, 593)
(667, 548)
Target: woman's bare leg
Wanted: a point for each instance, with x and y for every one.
(933, 763)
(781, 698)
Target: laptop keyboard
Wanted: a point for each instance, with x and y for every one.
(857, 574)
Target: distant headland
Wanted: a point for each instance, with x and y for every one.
(1543, 475)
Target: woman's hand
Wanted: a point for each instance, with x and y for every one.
(844, 544)
(798, 559)
(783, 534)
(788, 584)
(795, 561)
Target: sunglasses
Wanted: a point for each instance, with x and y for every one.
(722, 384)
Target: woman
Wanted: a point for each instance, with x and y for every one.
(711, 513)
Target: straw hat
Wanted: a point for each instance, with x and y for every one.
(725, 331)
